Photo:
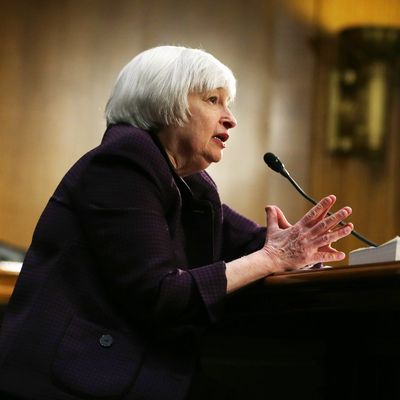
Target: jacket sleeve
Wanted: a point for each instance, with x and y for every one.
(123, 209)
(241, 236)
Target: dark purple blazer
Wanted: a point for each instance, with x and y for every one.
(125, 271)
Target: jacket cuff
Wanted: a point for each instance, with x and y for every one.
(211, 284)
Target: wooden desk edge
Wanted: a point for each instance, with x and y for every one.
(364, 271)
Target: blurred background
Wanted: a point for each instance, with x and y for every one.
(318, 85)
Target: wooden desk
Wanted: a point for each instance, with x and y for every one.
(321, 335)
(355, 288)
(359, 287)
(335, 275)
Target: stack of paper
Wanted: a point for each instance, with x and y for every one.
(389, 251)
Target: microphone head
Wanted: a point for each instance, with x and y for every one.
(274, 163)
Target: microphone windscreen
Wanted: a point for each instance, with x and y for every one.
(273, 162)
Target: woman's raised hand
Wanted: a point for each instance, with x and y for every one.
(289, 247)
(309, 240)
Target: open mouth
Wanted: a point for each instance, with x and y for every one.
(222, 137)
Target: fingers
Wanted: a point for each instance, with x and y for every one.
(272, 219)
(320, 230)
(319, 211)
(276, 218)
(327, 230)
(309, 240)
(334, 236)
(328, 255)
(329, 223)
(282, 221)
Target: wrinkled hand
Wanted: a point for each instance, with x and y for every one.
(309, 240)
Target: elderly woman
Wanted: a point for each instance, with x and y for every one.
(134, 254)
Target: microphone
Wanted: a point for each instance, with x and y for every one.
(276, 164)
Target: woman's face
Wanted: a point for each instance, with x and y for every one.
(200, 141)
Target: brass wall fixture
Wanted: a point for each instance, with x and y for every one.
(362, 83)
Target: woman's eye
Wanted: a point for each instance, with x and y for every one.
(213, 99)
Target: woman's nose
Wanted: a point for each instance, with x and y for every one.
(228, 120)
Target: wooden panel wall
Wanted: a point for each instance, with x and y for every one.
(371, 188)
(58, 61)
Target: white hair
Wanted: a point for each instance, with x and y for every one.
(152, 90)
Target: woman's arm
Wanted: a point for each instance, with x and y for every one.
(290, 247)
